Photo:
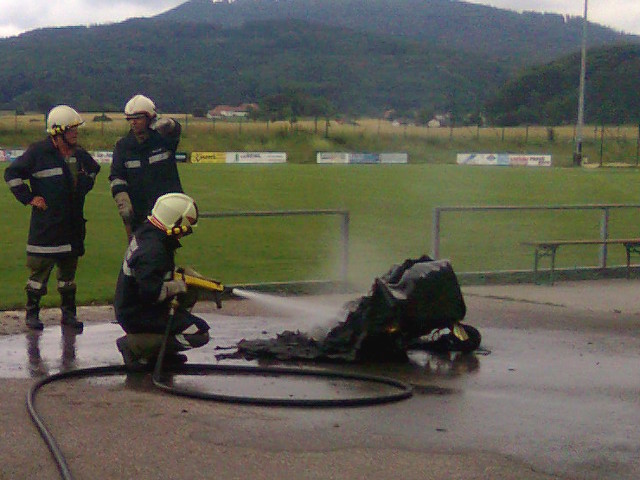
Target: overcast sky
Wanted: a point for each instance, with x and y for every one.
(17, 16)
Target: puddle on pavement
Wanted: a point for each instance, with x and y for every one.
(35, 354)
(280, 387)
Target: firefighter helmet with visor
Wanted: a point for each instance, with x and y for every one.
(140, 106)
(62, 118)
(175, 213)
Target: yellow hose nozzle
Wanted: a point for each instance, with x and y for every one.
(204, 283)
(198, 281)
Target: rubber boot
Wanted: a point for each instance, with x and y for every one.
(133, 357)
(68, 308)
(140, 352)
(33, 311)
(131, 360)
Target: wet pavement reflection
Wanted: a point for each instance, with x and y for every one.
(57, 349)
(544, 396)
(38, 366)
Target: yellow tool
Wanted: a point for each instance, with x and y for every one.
(204, 286)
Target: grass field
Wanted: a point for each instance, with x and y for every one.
(391, 211)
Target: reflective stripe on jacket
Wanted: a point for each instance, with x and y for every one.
(148, 263)
(42, 171)
(145, 170)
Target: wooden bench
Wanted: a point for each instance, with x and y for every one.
(550, 248)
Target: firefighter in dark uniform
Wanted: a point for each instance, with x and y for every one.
(144, 162)
(59, 173)
(148, 293)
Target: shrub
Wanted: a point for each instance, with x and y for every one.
(102, 118)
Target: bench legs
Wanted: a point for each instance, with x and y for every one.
(628, 261)
(545, 251)
(631, 248)
(549, 250)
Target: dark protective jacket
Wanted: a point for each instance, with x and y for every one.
(148, 263)
(145, 170)
(59, 230)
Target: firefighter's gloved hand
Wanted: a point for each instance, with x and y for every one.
(125, 209)
(172, 288)
(163, 125)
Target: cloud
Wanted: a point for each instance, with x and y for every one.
(617, 14)
(624, 15)
(20, 16)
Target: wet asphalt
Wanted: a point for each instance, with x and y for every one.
(555, 385)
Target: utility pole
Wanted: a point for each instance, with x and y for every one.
(577, 155)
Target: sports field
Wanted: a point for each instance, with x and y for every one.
(390, 208)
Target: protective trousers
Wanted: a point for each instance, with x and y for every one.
(40, 269)
(188, 331)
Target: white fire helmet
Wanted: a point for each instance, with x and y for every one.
(62, 118)
(175, 213)
(138, 106)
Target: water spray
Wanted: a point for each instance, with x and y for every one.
(323, 317)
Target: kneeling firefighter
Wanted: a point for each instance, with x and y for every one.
(149, 294)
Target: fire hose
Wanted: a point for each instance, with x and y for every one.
(401, 390)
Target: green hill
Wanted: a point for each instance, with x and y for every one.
(549, 95)
(517, 39)
(189, 66)
(361, 57)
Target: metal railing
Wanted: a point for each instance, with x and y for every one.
(344, 227)
(604, 220)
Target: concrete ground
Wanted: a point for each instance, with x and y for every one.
(553, 393)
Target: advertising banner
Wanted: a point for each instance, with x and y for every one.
(15, 153)
(482, 159)
(394, 158)
(208, 157)
(531, 160)
(361, 158)
(256, 157)
(9, 155)
(102, 156)
(332, 157)
(503, 159)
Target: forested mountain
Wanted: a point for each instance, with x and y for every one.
(186, 66)
(548, 94)
(360, 57)
(514, 38)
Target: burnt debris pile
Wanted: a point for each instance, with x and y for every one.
(415, 305)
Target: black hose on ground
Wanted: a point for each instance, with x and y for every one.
(404, 391)
(48, 438)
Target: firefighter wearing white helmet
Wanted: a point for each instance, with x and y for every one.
(61, 119)
(140, 105)
(175, 213)
(146, 288)
(53, 176)
(144, 162)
